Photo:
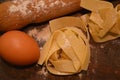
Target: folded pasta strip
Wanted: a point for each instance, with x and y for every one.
(104, 20)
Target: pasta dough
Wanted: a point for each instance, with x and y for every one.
(67, 22)
(66, 52)
(104, 20)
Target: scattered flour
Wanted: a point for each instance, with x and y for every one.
(44, 34)
(21, 8)
(43, 71)
(80, 76)
(57, 2)
(33, 32)
(37, 5)
(40, 5)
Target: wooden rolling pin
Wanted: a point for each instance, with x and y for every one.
(17, 14)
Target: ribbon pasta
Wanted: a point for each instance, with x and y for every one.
(104, 20)
(66, 52)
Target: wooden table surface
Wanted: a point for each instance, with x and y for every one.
(104, 63)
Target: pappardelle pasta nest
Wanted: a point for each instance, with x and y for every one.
(67, 51)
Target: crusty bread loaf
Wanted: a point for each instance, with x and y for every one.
(16, 14)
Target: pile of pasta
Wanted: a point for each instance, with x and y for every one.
(103, 21)
(67, 51)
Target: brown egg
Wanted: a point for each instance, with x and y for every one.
(18, 48)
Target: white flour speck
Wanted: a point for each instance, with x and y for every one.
(40, 5)
(20, 7)
(26, 7)
(57, 2)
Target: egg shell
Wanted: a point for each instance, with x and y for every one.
(18, 48)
